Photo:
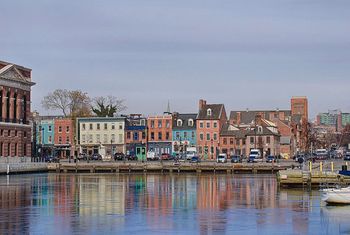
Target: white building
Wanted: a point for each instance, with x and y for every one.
(101, 133)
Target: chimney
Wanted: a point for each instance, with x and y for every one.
(202, 103)
(258, 119)
(238, 121)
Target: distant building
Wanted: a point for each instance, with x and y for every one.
(232, 140)
(184, 132)
(333, 118)
(15, 96)
(101, 134)
(299, 106)
(64, 137)
(45, 136)
(136, 136)
(160, 133)
(210, 119)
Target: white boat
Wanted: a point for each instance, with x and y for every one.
(336, 195)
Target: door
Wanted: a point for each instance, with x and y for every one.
(141, 153)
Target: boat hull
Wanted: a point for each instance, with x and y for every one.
(336, 196)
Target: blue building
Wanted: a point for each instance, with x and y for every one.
(45, 130)
(136, 136)
(184, 132)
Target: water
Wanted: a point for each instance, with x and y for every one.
(162, 204)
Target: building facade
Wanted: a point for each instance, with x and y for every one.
(104, 135)
(136, 136)
(160, 133)
(210, 119)
(64, 137)
(45, 137)
(15, 96)
(299, 106)
(184, 132)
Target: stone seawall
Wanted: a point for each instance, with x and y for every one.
(15, 168)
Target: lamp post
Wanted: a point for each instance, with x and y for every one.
(42, 143)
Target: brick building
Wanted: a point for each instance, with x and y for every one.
(299, 106)
(210, 119)
(160, 133)
(15, 96)
(136, 136)
(64, 137)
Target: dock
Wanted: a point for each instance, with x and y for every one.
(21, 168)
(166, 167)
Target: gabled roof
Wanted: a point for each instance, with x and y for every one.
(248, 116)
(10, 72)
(265, 131)
(216, 112)
(230, 130)
(184, 118)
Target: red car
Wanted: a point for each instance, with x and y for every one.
(165, 156)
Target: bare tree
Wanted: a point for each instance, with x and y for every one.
(70, 103)
(107, 106)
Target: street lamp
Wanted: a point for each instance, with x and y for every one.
(42, 143)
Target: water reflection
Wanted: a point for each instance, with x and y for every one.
(169, 204)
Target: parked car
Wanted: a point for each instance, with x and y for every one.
(96, 157)
(221, 158)
(152, 156)
(132, 157)
(51, 158)
(195, 159)
(82, 157)
(165, 156)
(119, 157)
(347, 156)
(235, 159)
(270, 158)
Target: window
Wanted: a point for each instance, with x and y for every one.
(105, 126)
(113, 126)
(201, 124)
(167, 124)
(260, 129)
(91, 127)
(212, 150)
(231, 140)
(215, 124)
(209, 112)
(167, 136)
(215, 136)
(193, 135)
(190, 122)
(50, 138)
(268, 139)
(251, 139)
(160, 135)
(98, 126)
(143, 135)
(185, 135)
(83, 127)
(208, 136)
(224, 141)
(90, 138)
(152, 135)
(128, 135)
(59, 129)
(67, 129)
(98, 140)
(159, 123)
(9, 133)
(143, 122)
(60, 139)
(201, 136)
(120, 127)
(243, 141)
(179, 122)
(2, 132)
(50, 128)
(112, 138)
(208, 124)
(67, 140)
(136, 135)
(83, 138)
(177, 134)
(152, 124)
(16, 133)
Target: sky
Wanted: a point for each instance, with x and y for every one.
(253, 54)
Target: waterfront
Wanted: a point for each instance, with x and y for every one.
(162, 204)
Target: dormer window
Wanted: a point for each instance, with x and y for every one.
(179, 122)
(190, 122)
(260, 129)
(209, 112)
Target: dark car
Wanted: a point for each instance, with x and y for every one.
(96, 157)
(236, 159)
(347, 157)
(195, 159)
(251, 159)
(132, 157)
(82, 157)
(270, 158)
(165, 156)
(119, 157)
(51, 159)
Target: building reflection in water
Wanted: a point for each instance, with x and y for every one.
(206, 204)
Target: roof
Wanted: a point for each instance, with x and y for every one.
(15, 73)
(100, 119)
(265, 131)
(248, 116)
(184, 118)
(216, 112)
(229, 130)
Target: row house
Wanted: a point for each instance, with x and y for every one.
(15, 97)
(232, 140)
(104, 135)
(160, 133)
(210, 119)
(184, 132)
(136, 136)
(64, 137)
(45, 134)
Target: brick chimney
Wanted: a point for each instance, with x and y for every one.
(258, 119)
(238, 121)
(202, 103)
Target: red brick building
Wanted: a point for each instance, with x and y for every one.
(210, 119)
(160, 133)
(64, 137)
(15, 96)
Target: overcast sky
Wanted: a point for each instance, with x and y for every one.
(252, 54)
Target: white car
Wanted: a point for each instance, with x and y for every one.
(222, 158)
(152, 156)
